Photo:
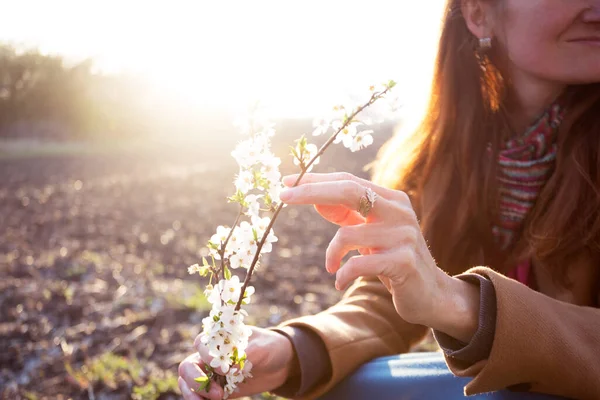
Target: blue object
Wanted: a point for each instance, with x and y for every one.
(414, 376)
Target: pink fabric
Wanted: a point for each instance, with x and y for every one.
(522, 273)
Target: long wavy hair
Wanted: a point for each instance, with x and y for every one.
(450, 175)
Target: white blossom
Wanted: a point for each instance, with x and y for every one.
(249, 152)
(378, 88)
(275, 190)
(218, 239)
(260, 225)
(246, 236)
(192, 269)
(236, 240)
(253, 208)
(361, 140)
(270, 168)
(244, 181)
(346, 134)
(246, 370)
(213, 296)
(221, 361)
(235, 376)
(321, 126)
(229, 290)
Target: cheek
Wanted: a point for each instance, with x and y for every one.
(557, 61)
(535, 43)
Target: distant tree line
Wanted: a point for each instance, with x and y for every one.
(44, 96)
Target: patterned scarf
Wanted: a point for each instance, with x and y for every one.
(525, 165)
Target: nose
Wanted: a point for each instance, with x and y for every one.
(592, 14)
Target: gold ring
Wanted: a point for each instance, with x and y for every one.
(367, 202)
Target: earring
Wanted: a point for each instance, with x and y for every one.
(485, 43)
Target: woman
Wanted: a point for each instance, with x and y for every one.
(505, 172)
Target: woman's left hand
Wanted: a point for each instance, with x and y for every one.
(392, 248)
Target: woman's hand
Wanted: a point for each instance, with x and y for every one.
(271, 354)
(392, 248)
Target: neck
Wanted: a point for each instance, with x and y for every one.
(530, 96)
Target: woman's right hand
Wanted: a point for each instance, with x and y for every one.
(270, 353)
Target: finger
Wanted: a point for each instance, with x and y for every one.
(189, 370)
(386, 282)
(346, 239)
(289, 180)
(346, 193)
(339, 215)
(186, 391)
(390, 265)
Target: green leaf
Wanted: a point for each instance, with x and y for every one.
(204, 262)
(227, 272)
(302, 142)
(238, 197)
(268, 199)
(255, 234)
(204, 382)
(391, 84)
(294, 153)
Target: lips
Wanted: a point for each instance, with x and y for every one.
(591, 40)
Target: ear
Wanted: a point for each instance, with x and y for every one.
(478, 18)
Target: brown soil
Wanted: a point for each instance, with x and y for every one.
(93, 259)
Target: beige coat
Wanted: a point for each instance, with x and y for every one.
(541, 344)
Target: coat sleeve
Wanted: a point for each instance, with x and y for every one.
(540, 344)
(362, 326)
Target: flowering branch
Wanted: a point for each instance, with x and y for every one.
(224, 332)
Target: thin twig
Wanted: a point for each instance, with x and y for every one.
(224, 244)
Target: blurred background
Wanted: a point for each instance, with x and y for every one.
(115, 134)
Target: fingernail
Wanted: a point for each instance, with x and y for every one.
(184, 387)
(285, 195)
(289, 179)
(337, 285)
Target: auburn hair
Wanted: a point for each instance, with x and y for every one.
(448, 166)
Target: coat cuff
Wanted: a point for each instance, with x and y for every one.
(312, 362)
(480, 346)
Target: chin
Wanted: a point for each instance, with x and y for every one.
(577, 77)
(586, 80)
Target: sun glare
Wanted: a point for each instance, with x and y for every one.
(299, 57)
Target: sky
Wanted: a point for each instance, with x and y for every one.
(298, 57)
